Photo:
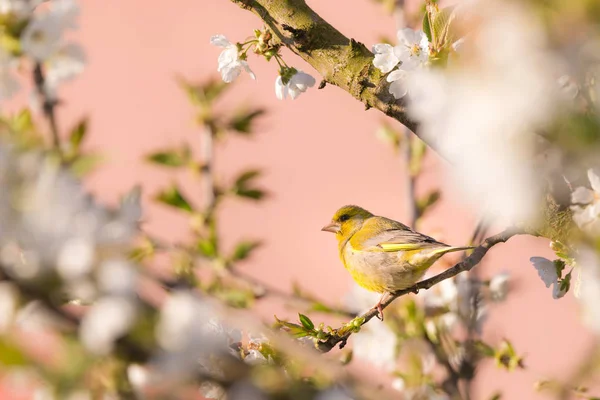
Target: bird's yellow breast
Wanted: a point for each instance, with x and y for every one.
(380, 271)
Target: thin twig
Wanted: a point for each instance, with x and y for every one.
(465, 265)
(48, 105)
(208, 159)
(411, 181)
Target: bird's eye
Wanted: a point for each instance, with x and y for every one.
(344, 217)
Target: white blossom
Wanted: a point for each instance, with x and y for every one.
(107, 320)
(117, 276)
(589, 288)
(359, 300)
(230, 63)
(398, 83)
(139, 377)
(376, 344)
(9, 85)
(412, 49)
(586, 204)
(547, 271)
(75, 258)
(211, 390)
(297, 84)
(42, 37)
(64, 65)
(499, 286)
(385, 57)
(20, 8)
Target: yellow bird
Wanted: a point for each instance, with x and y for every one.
(381, 254)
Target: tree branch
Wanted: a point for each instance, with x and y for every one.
(341, 335)
(341, 61)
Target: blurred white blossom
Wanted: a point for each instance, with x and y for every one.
(64, 65)
(589, 288)
(586, 204)
(482, 111)
(297, 84)
(360, 300)
(547, 271)
(18, 8)
(211, 390)
(376, 344)
(50, 222)
(42, 37)
(117, 276)
(230, 63)
(8, 305)
(107, 320)
(499, 286)
(9, 85)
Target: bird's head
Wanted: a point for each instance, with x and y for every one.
(347, 221)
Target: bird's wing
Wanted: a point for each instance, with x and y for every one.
(383, 234)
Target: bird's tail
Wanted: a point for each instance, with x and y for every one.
(451, 249)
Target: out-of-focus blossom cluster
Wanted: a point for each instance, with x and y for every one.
(36, 31)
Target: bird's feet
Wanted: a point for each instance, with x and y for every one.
(379, 311)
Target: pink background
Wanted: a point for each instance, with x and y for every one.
(318, 152)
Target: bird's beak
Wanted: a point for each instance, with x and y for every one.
(333, 227)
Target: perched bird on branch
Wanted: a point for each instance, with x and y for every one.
(381, 254)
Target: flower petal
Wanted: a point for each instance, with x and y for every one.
(280, 89)
(230, 71)
(398, 89)
(247, 69)
(220, 40)
(408, 36)
(594, 180)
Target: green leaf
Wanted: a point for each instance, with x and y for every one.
(254, 194)
(427, 27)
(85, 163)
(11, 355)
(243, 250)
(306, 322)
(207, 247)
(23, 121)
(243, 121)
(429, 200)
(78, 135)
(204, 94)
(245, 177)
(171, 157)
(173, 197)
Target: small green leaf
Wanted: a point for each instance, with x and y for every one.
(254, 194)
(171, 157)
(306, 322)
(207, 248)
(427, 27)
(427, 201)
(173, 197)
(78, 135)
(243, 250)
(85, 163)
(243, 121)
(245, 177)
